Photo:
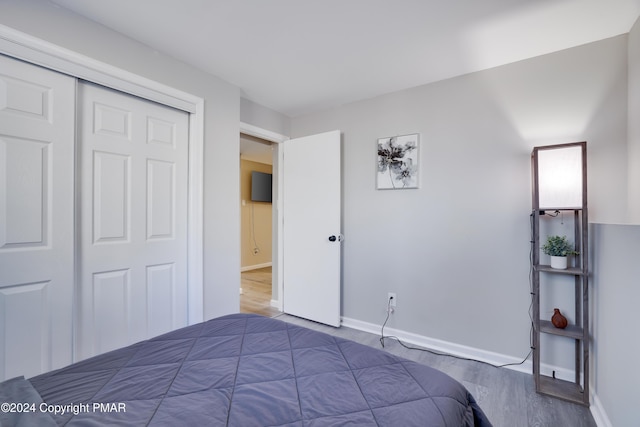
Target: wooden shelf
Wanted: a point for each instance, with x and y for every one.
(544, 279)
(560, 209)
(565, 390)
(573, 271)
(571, 331)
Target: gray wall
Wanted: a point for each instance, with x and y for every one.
(616, 320)
(614, 287)
(456, 251)
(634, 124)
(222, 107)
(263, 117)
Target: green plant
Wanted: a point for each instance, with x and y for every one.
(558, 246)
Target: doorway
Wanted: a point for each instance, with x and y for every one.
(324, 284)
(256, 212)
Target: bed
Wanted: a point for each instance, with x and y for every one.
(242, 370)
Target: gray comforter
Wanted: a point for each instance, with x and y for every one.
(247, 370)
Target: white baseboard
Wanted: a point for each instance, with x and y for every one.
(441, 346)
(255, 266)
(276, 304)
(598, 412)
(454, 349)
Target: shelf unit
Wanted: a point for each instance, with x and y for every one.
(576, 391)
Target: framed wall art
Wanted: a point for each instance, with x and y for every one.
(398, 162)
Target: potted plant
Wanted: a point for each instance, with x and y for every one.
(558, 247)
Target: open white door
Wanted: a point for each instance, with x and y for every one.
(311, 231)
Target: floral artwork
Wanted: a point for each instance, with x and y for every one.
(398, 162)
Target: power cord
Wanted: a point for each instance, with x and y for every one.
(256, 248)
(531, 248)
(382, 337)
(531, 331)
(426, 350)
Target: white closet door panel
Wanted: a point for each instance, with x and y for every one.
(160, 199)
(161, 132)
(160, 287)
(111, 296)
(24, 97)
(111, 204)
(24, 192)
(37, 109)
(133, 157)
(26, 307)
(111, 121)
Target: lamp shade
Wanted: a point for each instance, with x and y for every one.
(560, 175)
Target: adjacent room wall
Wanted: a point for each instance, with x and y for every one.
(222, 110)
(256, 220)
(614, 284)
(456, 251)
(634, 124)
(616, 320)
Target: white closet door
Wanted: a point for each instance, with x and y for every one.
(37, 109)
(133, 168)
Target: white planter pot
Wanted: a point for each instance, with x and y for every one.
(559, 262)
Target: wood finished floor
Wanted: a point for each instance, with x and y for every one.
(256, 292)
(506, 396)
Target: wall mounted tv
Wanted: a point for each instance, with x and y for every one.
(261, 186)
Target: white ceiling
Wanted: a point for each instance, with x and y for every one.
(302, 56)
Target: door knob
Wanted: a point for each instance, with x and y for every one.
(332, 238)
(339, 238)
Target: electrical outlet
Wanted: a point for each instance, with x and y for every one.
(392, 299)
